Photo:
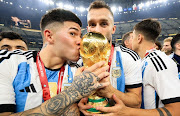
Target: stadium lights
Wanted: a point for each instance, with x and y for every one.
(60, 5)
(113, 8)
(148, 4)
(70, 7)
(82, 9)
(120, 9)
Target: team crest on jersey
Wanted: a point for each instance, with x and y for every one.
(116, 72)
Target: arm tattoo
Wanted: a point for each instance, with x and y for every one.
(72, 110)
(167, 111)
(160, 112)
(82, 86)
(85, 83)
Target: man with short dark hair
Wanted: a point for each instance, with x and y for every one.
(175, 44)
(161, 96)
(125, 70)
(27, 79)
(12, 41)
(127, 40)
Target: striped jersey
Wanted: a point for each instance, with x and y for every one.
(125, 64)
(20, 85)
(160, 80)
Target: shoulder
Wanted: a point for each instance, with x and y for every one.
(128, 52)
(160, 61)
(17, 54)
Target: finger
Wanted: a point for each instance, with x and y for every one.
(105, 109)
(104, 76)
(102, 85)
(108, 114)
(86, 113)
(118, 101)
(100, 70)
(79, 71)
(95, 66)
(83, 104)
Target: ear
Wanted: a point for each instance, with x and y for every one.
(114, 29)
(140, 38)
(48, 36)
(126, 42)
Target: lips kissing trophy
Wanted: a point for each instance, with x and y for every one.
(95, 47)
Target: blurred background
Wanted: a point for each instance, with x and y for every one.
(23, 16)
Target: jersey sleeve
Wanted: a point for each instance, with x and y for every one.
(167, 83)
(132, 71)
(7, 96)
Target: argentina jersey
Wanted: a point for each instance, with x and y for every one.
(125, 69)
(19, 80)
(160, 80)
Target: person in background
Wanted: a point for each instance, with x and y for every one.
(127, 40)
(167, 49)
(161, 96)
(12, 41)
(175, 44)
(43, 83)
(157, 45)
(125, 69)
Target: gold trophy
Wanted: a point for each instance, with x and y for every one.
(95, 47)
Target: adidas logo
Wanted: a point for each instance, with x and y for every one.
(29, 89)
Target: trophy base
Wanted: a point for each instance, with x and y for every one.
(93, 110)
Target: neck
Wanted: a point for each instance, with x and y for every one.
(177, 52)
(144, 47)
(50, 60)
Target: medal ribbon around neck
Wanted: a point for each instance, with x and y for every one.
(43, 78)
(111, 57)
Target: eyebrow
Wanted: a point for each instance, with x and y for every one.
(101, 20)
(5, 46)
(74, 28)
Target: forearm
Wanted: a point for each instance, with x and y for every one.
(72, 110)
(130, 99)
(168, 110)
(56, 105)
(142, 112)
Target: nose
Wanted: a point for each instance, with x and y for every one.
(97, 28)
(78, 41)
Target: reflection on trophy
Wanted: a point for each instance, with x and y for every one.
(95, 47)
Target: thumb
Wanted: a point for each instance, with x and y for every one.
(118, 101)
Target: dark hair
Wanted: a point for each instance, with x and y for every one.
(126, 37)
(149, 28)
(175, 40)
(159, 45)
(58, 15)
(99, 4)
(12, 36)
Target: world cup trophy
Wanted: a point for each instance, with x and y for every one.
(95, 47)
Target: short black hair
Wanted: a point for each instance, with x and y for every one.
(12, 36)
(125, 37)
(58, 15)
(175, 40)
(99, 4)
(149, 28)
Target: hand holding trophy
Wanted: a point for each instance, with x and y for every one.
(95, 47)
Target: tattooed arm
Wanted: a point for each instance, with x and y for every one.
(83, 85)
(72, 110)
